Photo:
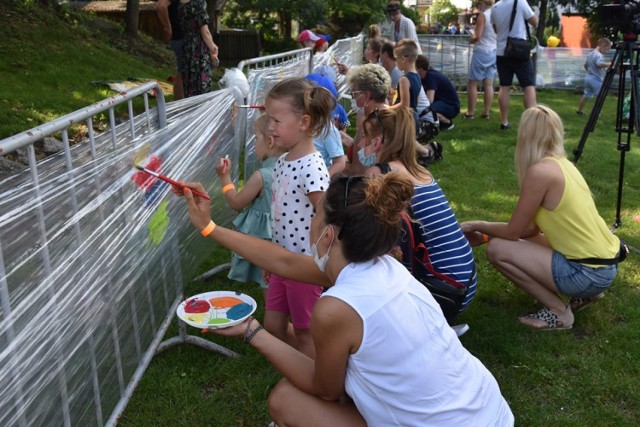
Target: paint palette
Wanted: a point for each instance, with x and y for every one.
(216, 310)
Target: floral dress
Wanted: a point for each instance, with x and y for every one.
(196, 74)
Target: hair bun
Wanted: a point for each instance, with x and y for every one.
(388, 195)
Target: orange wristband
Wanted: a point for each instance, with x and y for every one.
(208, 229)
(485, 238)
(228, 187)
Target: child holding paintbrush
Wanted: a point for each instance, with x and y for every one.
(256, 194)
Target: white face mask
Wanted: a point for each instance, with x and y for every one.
(366, 161)
(321, 261)
(354, 106)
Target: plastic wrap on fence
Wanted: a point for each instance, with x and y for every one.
(92, 259)
(562, 67)
(449, 54)
(347, 51)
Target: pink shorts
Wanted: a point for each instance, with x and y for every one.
(294, 298)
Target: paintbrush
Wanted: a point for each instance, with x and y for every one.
(170, 181)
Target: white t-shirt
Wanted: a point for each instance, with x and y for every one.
(291, 209)
(501, 16)
(594, 59)
(411, 369)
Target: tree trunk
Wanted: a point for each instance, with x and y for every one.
(542, 21)
(131, 18)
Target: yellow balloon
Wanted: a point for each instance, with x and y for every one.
(553, 41)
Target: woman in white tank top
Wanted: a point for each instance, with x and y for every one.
(385, 354)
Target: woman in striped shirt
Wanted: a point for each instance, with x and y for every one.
(389, 135)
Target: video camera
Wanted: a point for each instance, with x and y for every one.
(622, 16)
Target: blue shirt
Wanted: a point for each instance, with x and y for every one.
(444, 89)
(329, 144)
(449, 250)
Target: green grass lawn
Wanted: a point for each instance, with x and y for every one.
(586, 376)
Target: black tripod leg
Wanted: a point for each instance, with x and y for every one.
(616, 64)
(632, 122)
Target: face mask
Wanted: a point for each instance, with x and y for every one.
(354, 107)
(366, 161)
(321, 261)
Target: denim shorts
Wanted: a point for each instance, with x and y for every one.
(483, 65)
(592, 86)
(578, 280)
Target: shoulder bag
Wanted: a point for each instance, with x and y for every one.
(518, 49)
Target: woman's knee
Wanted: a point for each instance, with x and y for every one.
(279, 397)
(496, 250)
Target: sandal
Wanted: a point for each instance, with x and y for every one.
(436, 149)
(552, 320)
(579, 304)
(468, 116)
(485, 116)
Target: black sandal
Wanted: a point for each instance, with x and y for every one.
(436, 149)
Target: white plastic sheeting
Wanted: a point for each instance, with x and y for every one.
(93, 257)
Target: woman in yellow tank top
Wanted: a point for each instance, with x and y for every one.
(555, 243)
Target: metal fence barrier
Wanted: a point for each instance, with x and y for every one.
(93, 256)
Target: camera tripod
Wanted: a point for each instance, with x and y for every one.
(623, 60)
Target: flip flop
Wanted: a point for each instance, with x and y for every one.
(579, 304)
(552, 321)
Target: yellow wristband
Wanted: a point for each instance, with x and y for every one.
(208, 229)
(228, 187)
(485, 238)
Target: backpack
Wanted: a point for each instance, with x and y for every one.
(414, 255)
(448, 292)
(426, 129)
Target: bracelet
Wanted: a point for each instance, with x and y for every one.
(248, 339)
(208, 229)
(228, 187)
(485, 238)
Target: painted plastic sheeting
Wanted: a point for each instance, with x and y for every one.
(81, 305)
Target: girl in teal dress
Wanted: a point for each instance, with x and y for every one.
(256, 194)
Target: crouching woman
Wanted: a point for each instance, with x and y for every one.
(555, 242)
(385, 354)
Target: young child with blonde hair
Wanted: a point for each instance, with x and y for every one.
(255, 196)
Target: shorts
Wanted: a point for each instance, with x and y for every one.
(447, 110)
(578, 280)
(176, 46)
(507, 67)
(483, 65)
(294, 298)
(592, 86)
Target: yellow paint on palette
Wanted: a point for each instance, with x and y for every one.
(197, 317)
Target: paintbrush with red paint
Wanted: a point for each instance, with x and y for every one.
(170, 181)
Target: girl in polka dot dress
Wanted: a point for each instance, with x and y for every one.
(297, 111)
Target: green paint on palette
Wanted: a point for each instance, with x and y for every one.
(218, 321)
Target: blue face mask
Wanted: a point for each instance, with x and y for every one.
(366, 161)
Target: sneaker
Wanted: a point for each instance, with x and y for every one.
(580, 113)
(446, 126)
(460, 329)
(505, 127)
(579, 304)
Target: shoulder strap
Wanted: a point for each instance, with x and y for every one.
(421, 253)
(513, 14)
(384, 167)
(513, 17)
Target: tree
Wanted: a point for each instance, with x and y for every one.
(443, 11)
(131, 18)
